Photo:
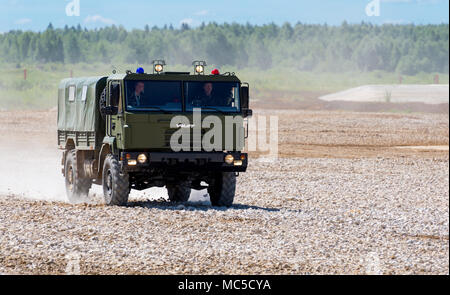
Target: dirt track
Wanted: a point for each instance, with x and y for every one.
(343, 198)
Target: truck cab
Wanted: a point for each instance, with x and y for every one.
(140, 130)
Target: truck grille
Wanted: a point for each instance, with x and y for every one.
(169, 132)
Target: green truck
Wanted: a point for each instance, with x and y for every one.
(142, 130)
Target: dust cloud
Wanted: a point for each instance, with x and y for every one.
(35, 173)
(32, 173)
(30, 164)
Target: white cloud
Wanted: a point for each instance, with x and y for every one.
(187, 21)
(202, 12)
(98, 19)
(23, 21)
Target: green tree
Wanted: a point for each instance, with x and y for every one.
(73, 50)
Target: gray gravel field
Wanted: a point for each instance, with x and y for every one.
(295, 216)
(352, 193)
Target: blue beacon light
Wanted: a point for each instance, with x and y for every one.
(140, 71)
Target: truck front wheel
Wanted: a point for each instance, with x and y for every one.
(116, 186)
(222, 189)
(77, 187)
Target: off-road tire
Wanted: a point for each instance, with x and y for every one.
(223, 189)
(77, 187)
(179, 193)
(116, 187)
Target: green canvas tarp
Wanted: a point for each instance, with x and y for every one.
(78, 104)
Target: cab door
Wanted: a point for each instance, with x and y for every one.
(115, 121)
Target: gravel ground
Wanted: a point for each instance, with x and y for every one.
(342, 199)
(312, 216)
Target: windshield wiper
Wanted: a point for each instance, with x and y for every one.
(212, 108)
(156, 108)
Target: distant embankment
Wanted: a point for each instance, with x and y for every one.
(429, 94)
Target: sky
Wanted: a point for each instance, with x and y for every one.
(35, 15)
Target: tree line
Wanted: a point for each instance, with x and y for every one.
(406, 49)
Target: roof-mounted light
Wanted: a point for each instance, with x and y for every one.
(199, 67)
(158, 66)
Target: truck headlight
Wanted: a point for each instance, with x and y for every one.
(142, 158)
(132, 162)
(229, 159)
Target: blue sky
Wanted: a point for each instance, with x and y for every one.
(36, 14)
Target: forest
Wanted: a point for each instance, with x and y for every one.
(402, 49)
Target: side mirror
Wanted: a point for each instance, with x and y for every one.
(245, 101)
(248, 113)
(110, 110)
(245, 97)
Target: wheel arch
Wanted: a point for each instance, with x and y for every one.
(104, 151)
(70, 144)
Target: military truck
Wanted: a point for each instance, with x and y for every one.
(118, 131)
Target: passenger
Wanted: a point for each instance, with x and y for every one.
(207, 95)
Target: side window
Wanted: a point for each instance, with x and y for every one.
(115, 95)
(120, 109)
(84, 93)
(72, 91)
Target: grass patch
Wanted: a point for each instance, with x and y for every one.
(39, 91)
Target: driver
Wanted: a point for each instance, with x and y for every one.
(137, 98)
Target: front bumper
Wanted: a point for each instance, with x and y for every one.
(185, 161)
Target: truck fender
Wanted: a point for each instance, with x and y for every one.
(70, 145)
(104, 151)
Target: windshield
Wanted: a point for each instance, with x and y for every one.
(212, 96)
(153, 95)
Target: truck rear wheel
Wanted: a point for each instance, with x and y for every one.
(116, 186)
(179, 192)
(223, 189)
(77, 187)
